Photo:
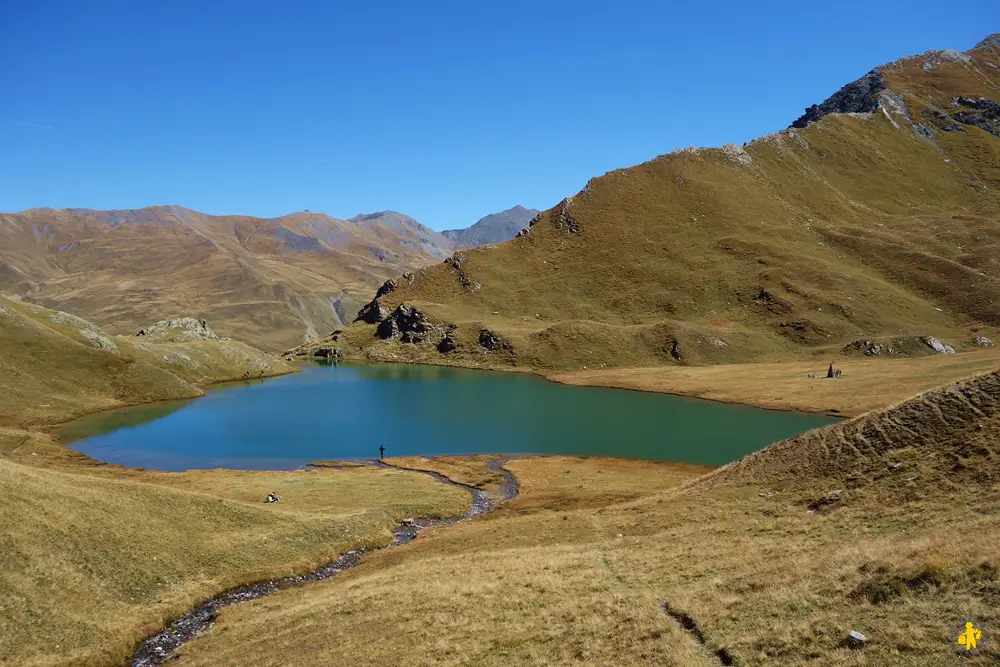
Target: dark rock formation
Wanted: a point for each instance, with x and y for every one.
(859, 96)
(675, 350)
(491, 341)
(386, 287)
(327, 353)
(941, 120)
(373, 312)
(982, 113)
(406, 322)
(447, 344)
(387, 329)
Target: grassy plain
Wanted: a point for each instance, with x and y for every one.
(868, 383)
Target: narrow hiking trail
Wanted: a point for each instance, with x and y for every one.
(162, 647)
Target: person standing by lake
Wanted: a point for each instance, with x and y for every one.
(381, 452)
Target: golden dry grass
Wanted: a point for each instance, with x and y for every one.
(868, 383)
(92, 561)
(906, 553)
(472, 470)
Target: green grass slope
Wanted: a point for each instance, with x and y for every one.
(860, 226)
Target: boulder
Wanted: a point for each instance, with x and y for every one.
(386, 287)
(387, 329)
(937, 345)
(406, 322)
(982, 341)
(491, 341)
(373, 312)
(447, 344)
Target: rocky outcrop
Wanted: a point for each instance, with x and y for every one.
(493, 342)
(386, 288)
(937, 345)
(372, 312)
(447, 344)
(406, 323)
(941, 120)
(982, 341)
(859, 96)
(869, 348)
(179, 330)
(566, 221)
(981, 113)
(457, 262)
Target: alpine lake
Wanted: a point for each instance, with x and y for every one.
(345, 411)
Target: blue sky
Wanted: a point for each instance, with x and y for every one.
(443, 110)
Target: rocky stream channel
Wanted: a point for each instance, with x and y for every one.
(162, 647)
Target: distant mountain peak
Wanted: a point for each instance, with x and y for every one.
(493, 228)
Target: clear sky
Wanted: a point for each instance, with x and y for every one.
(444, 110)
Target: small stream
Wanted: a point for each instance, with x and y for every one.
(162, 647)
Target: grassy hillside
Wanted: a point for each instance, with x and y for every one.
(274, 281)
(92, 562)
(886, 525)
(54, 366)
(862, 226)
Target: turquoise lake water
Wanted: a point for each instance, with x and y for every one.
(346, 411)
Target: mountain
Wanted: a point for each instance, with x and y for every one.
(412, 232)
(870, 226)
(494, 228)
(272, 281)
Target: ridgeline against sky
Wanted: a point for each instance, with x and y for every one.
(446, 111)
